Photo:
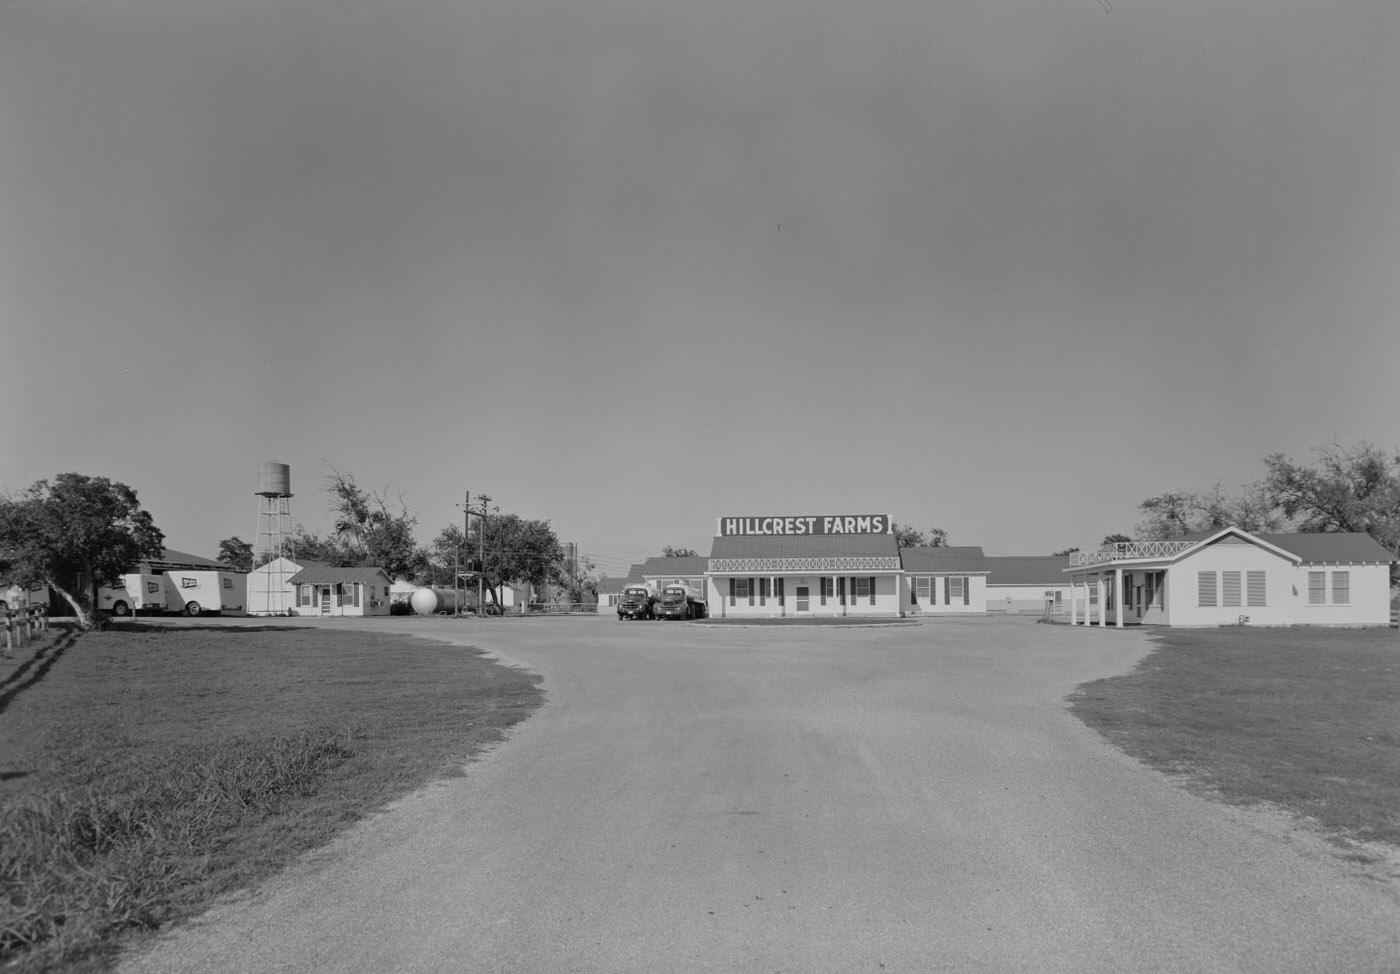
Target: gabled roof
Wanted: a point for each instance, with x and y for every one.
(1332, 548)
(325, 575)
(963, 559)
(1026, 569)
(688, 567)
(610, 586)
(804, 546)
(634, 574)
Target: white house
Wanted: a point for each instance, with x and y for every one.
(1233, 577)
(270, 588)
(944, 580)
(325, 591)
(609, 589)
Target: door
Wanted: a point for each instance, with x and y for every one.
(804, 598)
(325, 600)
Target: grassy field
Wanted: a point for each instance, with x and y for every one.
(143, 773)
(1305, 719)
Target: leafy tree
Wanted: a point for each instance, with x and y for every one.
(306, 545)
(75, 535)
(1109, 539)
(1354, 488)
(575, 579)
(668, 552)
(448, 554)
(1179, 513)
(372, 532)
(1064, 553)
(911, 537)
(236, 553)
(516, 550)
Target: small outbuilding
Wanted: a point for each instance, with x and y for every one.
(270, 588)
(325, 591)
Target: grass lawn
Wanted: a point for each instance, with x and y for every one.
(1307, 719)
(143, 773)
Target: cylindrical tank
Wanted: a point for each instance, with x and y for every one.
(274, 479)
(431, 601)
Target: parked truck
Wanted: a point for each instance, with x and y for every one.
(637, 602)
(680, 601)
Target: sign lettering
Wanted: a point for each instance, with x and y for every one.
(805, 525)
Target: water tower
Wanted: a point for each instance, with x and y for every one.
(274, 525)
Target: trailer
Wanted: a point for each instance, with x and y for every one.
(195, 593)
(133, 592)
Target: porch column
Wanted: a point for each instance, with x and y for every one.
(1103, 598)
(1073, 602)
(1121, 599)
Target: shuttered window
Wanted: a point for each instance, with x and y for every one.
(1205, 588)
(1255, 589)
(1341, 588)
(861, 589)
(923, 589)
(1230, 588)
(1317, 588)
(957, 590)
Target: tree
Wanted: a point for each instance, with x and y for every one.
(1109, 539)
(369, 532)
(516, 550)
(1353, 488)
(236, 553)
(911, 537)
(575, 578)
(668, 552)
(76, 535)
(1064, 553)
(1179, 513)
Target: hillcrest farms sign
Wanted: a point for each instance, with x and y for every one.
(806, 524)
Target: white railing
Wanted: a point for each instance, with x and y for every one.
(1125, 550)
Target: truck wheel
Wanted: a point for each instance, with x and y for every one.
(192, 609)
(120, 608)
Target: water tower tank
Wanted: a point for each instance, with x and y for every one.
(274, 479)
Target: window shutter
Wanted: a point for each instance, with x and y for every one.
(782, 591)
(751, 591)
(1205, 588)
(731, 590)
(841, 590)
(967, 584)
(1255, 589)
(947, 598)
(872, 589)
(1230, 588)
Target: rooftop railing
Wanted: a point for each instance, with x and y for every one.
(1127, 550)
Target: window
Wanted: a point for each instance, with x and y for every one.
(355, 588)
(304, 592)
(1150, 586)
(1255, 588)
(1230, 588)
(1341, 588)
(827, 586)
(1317, 588)
(228, 583)
(741, 588)
(1205, 588)
(860, 588)
(922, 590)
(957, 589)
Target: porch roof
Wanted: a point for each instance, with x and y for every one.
(325, 575)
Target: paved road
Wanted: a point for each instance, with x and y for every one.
(901, 798)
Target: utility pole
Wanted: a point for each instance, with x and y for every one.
(481, 565)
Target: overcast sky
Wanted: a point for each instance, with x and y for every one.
(1004, 268)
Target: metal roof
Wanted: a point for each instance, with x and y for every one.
(1337, 547)
(325, 575)
(804, 546)
(675, 567)
(935, 559)
(1026, 569)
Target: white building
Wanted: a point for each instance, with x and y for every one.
(1233, 577)
(270, 588)
(1023, 584)
(324, 591)
(804, 566)
(944, 580)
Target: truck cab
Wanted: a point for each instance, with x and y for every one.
(637, 602)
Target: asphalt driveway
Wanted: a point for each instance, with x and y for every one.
(721, 798)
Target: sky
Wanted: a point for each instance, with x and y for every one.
(1006, 268)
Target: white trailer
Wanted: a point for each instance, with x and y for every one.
(133, 592)
(195, 593)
